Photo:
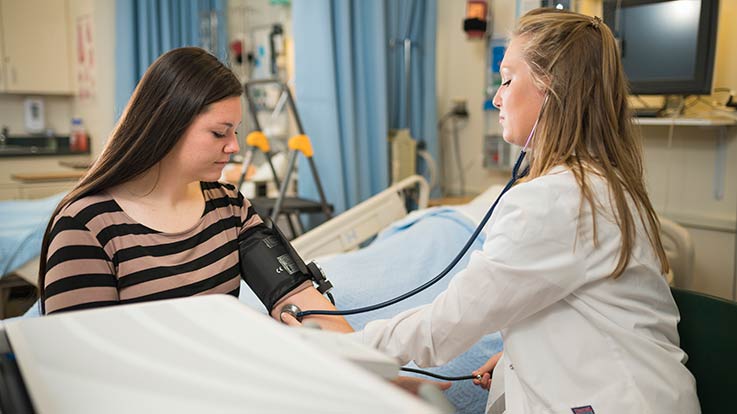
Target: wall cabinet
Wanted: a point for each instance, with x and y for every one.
(34, 35)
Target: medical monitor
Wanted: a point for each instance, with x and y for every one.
(667, 46)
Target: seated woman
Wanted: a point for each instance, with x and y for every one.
(150, 221)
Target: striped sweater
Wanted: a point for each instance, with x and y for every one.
(99, 256)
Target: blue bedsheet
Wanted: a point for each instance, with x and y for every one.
(403, 256)
(22, 225)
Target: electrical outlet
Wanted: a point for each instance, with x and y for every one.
(731, 103)
(459, 107)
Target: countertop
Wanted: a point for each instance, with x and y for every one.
(36, 146)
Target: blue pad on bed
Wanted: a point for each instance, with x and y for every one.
(406, 255)
(22, 227)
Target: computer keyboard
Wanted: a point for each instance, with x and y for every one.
(646, 112)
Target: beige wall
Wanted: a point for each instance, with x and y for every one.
(726, 55)
(57, 111)
(460, 75)
(98, 111)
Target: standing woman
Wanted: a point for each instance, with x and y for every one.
(572, 269)
(150, 220)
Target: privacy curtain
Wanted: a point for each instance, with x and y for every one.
(145, 29)
(348, 93)
(415, 20)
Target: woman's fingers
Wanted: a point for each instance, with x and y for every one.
(483, 374)
(486, 381)
(290, 320)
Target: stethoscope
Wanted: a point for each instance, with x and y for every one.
(516, 175)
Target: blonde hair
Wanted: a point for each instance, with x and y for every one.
(586, 124)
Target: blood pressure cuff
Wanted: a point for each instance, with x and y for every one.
(269, 264)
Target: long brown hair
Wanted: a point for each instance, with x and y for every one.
(586, 123)
(177, 87)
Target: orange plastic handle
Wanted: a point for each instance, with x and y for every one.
(301, 143)
(258, 139)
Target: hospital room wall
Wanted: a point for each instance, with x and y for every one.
(57, 110)
(460, 75)
(681, 171)
(97, 111)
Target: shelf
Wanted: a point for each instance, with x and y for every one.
(686, 121)
(48, 176)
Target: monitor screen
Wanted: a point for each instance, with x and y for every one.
(667, 46)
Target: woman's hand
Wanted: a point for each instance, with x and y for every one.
(485, 372)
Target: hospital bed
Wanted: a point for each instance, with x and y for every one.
(349, 230)
(21, 231)
(192, 355)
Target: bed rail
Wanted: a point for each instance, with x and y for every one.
(353, 227)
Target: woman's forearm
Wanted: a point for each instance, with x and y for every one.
(311, 299)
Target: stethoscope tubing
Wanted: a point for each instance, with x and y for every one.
(451, 265)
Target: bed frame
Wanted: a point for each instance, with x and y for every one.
(347, 231)
(27, 272)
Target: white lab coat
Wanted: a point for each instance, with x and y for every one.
(573, 336)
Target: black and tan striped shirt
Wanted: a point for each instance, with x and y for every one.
(99, 256)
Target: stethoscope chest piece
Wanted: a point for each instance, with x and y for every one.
(291, 310)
